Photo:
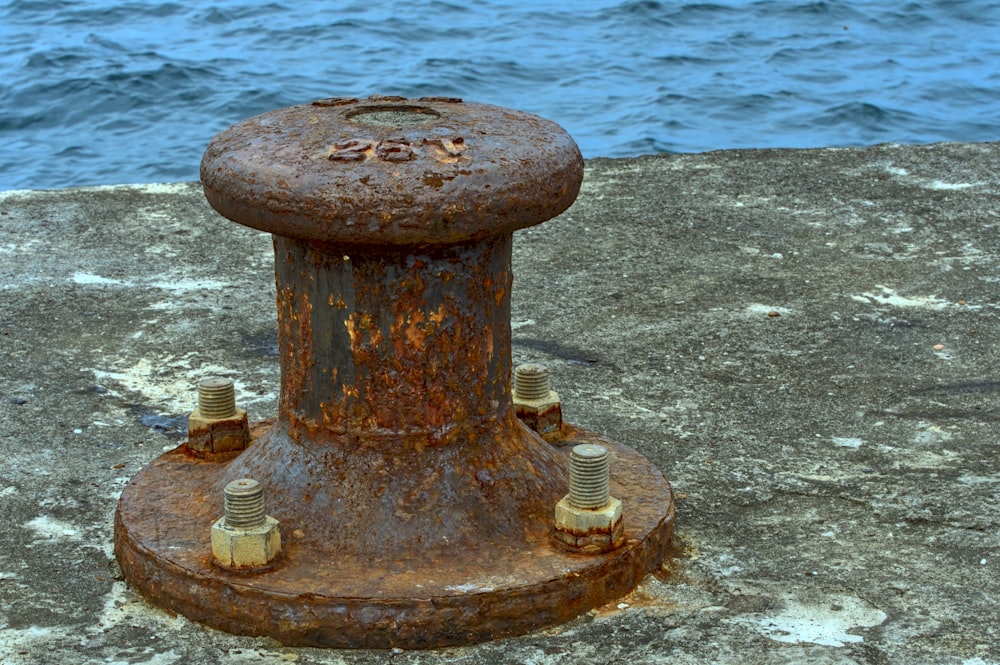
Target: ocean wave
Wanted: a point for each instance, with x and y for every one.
(125, 92)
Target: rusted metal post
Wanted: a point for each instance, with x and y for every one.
(416, 509)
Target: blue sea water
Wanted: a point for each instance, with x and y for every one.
(108, 92)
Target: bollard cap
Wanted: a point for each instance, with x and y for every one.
(392, 171)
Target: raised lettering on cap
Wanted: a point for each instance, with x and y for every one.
(392, 171)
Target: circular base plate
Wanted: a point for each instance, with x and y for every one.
(315, 597)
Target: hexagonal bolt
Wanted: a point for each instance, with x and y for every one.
(217, 426)
(535, 403)
(245, 537)
(589, 519)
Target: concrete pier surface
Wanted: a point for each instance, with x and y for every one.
(806, 342)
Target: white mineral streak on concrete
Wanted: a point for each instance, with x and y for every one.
(48, 529)
(185, 285)
(177, 286)
(167, 188)
(115, 608)
(175, 392)
(14, 193)
(29, 246)
(938, 184)
(893, 299)
(931, 183)
(123, 606)
(825, 622)
(163, 188)
(89, 280)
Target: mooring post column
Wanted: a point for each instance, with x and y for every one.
(388, 339)
(415, 509)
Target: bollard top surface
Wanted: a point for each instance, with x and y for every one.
(392, 171)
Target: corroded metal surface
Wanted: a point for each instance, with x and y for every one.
(416, 509)
(321, 594)
(343, 170)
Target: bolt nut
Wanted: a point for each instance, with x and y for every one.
(589, 531)
(245, 537)
(589, 519)
(217, 426)
(535, 403)
(246, 548)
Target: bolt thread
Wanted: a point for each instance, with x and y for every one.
(216, 398)
(589, 476)
(531, 381)
(244, 502)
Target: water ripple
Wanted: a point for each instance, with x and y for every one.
(107, 92)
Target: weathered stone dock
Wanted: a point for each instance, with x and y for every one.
(806, 342)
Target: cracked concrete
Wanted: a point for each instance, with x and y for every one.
(805, 341)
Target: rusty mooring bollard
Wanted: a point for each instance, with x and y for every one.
(416, 510)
